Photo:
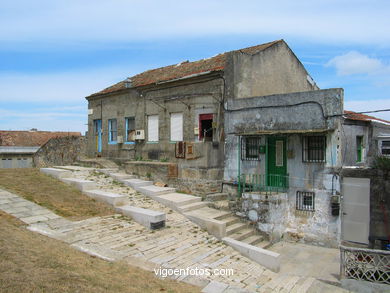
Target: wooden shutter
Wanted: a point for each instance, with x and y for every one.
(177, 127)
(153, 128)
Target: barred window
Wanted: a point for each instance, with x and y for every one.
(385, 148)
(250, 148)
(305, 201)
(314, 148)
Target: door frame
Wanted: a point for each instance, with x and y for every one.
(97, 127)
(272, 151)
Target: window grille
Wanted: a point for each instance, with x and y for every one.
(250, 148)
(305, 201)
(385, 147)
(314, 148)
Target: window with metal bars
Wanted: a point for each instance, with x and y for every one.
(385, 148)
(250, 148)
(314, 148)
(305, 201)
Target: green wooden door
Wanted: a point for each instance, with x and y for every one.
(277, 162)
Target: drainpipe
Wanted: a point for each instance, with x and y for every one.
(239, 167)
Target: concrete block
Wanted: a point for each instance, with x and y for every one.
(214, 227)
(56, 173)
(192, 206)
(121, 176)
(266, 258)
(152, 190)
(136, 183)
(142, 216)
(113, 199)
(175, 200)
(215, 287)
(80, 184)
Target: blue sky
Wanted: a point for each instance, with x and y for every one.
(54, 53)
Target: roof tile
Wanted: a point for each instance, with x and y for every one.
(30, 138)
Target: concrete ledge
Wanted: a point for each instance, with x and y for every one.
(266, 258)
(56, 173)
(214, 227)
(152, 190)
(113, 199)
(364, 286)
(136, 183)
(121, 176)
(142, 216)
(80, 183)
(175, 200)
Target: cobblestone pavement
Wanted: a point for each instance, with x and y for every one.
(180, 245)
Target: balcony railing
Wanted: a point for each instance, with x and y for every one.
(262, 183)
(365, 264)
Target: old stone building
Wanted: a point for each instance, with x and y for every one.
(175, 114)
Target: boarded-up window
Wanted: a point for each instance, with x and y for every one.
(177, 127)
(153, 128)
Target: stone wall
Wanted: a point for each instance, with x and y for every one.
(276, 215)
(60, 151)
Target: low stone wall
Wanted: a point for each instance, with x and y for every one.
(60, 151)
(277, 216)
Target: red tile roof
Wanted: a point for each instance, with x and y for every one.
(181, 70)
(362, 117)
(30, 138)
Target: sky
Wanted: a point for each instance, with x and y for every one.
(55, 53)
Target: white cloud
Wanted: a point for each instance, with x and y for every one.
(356, 63)
(127, 20)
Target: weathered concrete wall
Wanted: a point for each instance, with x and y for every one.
(275, 70)
(277, 216)
(60, 151)
(351, 131)
(16, 161)
(379, 198)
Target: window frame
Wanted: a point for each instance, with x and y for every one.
(127, 119)
(381, 147)
(308, 151)
(248, 149)
(181, 127)
(359, 149)
(158, 129)
(112, 132)
(301, 199)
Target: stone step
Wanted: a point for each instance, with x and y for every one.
(210, 213)
(235, 227)
(113, 199)
(148, 218)
(220, 205)
(121, 176)
(192, 206)
(231, 220)
(216, 196)
(242, 234)
(136, 183)
(264, 244)
(174, 200)
(253, 239)
(80, 184)
(56, 173)
(222, 215)
(152, 190)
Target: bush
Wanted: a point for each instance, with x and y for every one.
(382, 163)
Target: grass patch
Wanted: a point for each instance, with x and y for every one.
(31, 262)
(51, 193)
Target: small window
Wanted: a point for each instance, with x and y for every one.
(176, 126)
(305, 201)
(250, 148)
(279, 153)
(359, 149)
(206, 127)
(314, 148)
(130, 129)
(153, 128)
(385, 147)
(112, 131)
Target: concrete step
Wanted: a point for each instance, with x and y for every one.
(253, 239)
(220, 205)
(192, 206)
(148, 218)
(216, 196)
(152, 190)
(56, 173)
(80, 184)
(231, 220)
(242, 234)
(210, 213)
(136, 183)
(235, 227)
(121, 176)
(113, 199)
(175, 200)
(220, 215)
(264, 244)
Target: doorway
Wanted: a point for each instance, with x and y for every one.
(276, 162)
(97, 126)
